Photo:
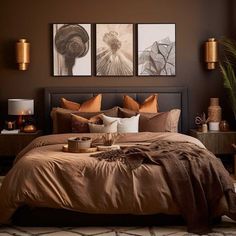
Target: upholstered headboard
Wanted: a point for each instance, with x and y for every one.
(168, 98)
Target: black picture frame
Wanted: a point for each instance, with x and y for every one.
(114, 50)
(156, 49)
(72, 49)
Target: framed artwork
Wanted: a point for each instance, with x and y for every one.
(156, 50)
(114, 50)
(72, 50)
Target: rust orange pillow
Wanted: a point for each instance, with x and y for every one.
(66, 104)
(150, 105)
(91, 105)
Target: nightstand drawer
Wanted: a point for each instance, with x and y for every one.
(220, 143)
(217, 142)
(225, 144)
(12, 144)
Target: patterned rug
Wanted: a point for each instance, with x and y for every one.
(226, 228)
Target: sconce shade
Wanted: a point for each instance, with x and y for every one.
(22, 54)
(211, 53)
(20, 106)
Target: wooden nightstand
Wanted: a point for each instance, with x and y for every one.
(220, 143)
(11, 145)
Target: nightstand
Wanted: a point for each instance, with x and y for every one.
(11, 145)
(219, 143)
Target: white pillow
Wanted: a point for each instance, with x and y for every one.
(125, 125)
(105, 128)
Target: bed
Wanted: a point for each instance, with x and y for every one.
(152, 177)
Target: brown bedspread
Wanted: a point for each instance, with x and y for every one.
(44, 176)
(197, 179)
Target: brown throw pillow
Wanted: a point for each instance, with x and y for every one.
(150, 105)
(61, 118)
(91, 105)
(155, 122)
(80, 124)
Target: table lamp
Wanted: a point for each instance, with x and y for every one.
(20, 108)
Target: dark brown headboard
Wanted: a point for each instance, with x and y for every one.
(168, 98)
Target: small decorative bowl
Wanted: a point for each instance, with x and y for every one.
(29, 129)
(75, 144)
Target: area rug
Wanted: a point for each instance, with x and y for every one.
(226, 228)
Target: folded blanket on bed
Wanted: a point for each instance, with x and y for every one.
(197, 179)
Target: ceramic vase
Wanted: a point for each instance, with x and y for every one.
(214, 113)
(214, 110)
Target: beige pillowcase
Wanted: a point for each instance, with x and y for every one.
(108, 128)
(124, 125)
(150, 105)
(173, 120)
(91, 105)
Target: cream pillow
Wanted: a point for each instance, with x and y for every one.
(105, 128)
(124, 125)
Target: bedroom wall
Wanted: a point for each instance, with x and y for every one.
(196, 20)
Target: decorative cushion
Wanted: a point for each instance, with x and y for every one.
(173, 120)
(108, 128)
(125, 125)
(150, 104)
(66, 104)
(91, 105)
(155, 122)
(61, 118)
(80, 124)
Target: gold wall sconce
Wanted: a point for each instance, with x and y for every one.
(211, 53)
(23, 54)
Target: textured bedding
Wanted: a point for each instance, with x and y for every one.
(44, 176)
(196, 178)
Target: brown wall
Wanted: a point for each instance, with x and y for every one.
(196, 20)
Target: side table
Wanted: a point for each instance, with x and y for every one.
(11, 145)
(219, 143)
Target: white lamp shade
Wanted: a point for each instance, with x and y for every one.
(20, 106)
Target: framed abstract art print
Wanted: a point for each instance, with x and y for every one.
(156, 50)
(72, 50)
(114, 50)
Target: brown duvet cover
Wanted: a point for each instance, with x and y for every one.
(44, 176)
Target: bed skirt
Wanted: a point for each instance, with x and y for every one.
(26, 216)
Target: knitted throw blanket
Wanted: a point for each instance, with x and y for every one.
(196, 178)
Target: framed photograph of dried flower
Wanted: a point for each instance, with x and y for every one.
(114, 50)
(156, 50)
(72, 50)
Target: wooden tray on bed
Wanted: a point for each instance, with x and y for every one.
(83, 150)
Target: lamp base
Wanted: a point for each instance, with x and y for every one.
(29, 129)
(20, 122)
